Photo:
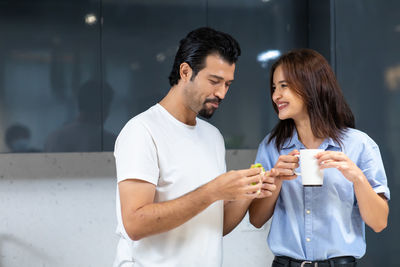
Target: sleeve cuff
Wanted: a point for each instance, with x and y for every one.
(382, 189)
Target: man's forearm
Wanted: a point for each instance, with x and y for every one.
(142, 217)
(160, 217)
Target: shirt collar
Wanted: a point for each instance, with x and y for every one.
(329, 142)
(294, 142)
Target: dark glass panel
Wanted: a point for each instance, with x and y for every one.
(49, 49)
(368, 69)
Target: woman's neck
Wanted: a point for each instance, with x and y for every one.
(306, 135)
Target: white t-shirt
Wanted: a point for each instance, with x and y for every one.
(177, 158)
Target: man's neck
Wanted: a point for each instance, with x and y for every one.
(174, 104)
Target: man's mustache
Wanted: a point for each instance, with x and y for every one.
(213, 100)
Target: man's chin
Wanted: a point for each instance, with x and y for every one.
(206, 114)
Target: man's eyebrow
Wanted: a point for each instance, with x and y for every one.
(218, 77)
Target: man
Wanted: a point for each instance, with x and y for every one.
(174, 199)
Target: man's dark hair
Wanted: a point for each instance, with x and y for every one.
(199, 44)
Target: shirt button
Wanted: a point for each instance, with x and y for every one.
(308, 211)
(308, 239)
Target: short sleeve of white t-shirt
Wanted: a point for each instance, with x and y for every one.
(136, 154)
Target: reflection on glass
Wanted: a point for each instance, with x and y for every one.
(18, 138)
(85, 132)
(267, 56)
(47, 51)
(392, 78)
(90, 19)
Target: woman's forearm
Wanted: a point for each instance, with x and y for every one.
(374, 208)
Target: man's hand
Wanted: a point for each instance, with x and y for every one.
(235, 185)
(242, 186)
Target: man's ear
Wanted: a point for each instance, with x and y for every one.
(185, 71)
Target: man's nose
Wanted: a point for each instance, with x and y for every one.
(221, 91)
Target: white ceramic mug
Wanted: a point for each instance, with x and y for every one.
(311, 174)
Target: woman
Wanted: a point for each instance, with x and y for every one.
(318, 224)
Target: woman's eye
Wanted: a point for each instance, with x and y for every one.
(213, 82)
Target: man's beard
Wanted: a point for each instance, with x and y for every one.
(208, 112)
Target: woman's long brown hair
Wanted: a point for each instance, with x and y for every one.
(309, 75)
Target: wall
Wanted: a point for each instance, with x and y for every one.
(59, 210)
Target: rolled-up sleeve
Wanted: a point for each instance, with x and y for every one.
(372, 166)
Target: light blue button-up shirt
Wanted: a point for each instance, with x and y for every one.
(317, 223)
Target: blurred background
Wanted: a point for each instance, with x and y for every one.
(72, 73)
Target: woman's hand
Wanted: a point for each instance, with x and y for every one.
(339, 160)
(286, 165)
(268, 183)
(373, 207)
